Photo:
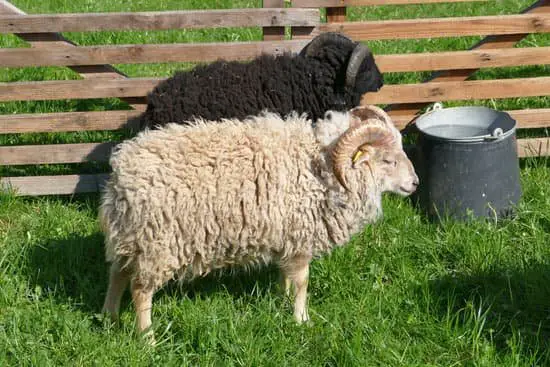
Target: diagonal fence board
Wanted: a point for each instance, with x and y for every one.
(441, 27)
(165, 20)
(56, 40)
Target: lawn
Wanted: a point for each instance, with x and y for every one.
(403, 292)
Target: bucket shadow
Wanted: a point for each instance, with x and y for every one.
(511, 302)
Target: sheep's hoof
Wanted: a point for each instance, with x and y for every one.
(302, 319)
(148, 336)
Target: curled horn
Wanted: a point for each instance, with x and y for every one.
(353, 140)
(311, 48)
(360, 52)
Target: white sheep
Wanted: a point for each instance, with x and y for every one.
(183, 201)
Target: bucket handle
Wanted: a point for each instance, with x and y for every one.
(496, 134)
(435, 107)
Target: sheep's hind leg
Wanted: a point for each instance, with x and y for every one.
(118, 281)
(143, 301)
(297, 271)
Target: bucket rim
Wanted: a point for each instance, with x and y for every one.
(496, 136)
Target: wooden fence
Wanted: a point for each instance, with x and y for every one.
(101, 80)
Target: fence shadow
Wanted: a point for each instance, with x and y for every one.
(511, 301)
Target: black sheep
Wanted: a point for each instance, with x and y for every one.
(331, 73)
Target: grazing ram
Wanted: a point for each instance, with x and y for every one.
(331, 73)
(183, 201)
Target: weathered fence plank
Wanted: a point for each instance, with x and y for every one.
(55, 153)
(76, 89)
(188, 19)
(442, 27)
(54, 185)
(113, 120)
(452, 91)
(534, 147)
(65, 121)
(137, 54)
(400, 93)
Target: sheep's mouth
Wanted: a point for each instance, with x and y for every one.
(406, 191)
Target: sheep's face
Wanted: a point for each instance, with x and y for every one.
(392, 170)
(370, 152)
(369, 78)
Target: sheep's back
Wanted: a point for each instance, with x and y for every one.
(212, 194)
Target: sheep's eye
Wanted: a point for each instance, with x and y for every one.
(388, 161)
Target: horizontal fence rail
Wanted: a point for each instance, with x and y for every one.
(400, 93)
(137, 54)
(65, 121)
(113, 120)
(188, 19)
(442, 27)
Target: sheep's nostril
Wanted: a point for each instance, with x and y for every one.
(416, 182)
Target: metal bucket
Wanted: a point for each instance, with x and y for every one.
(467, 162)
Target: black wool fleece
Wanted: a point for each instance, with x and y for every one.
(281, 84)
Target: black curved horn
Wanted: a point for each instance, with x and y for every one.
(311, 48)
(356, 59)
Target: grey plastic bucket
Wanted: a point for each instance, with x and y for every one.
(467, 162)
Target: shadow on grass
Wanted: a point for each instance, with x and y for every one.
(508, 303)
(74, 271)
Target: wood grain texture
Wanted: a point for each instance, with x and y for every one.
(464, 59)
(55, 153)
(54, 185)
(76, 89)
(188, 19)
(65, 121)
(441, 27)
(453, 91)
(336, 3)
(534, 147)
(137, 54)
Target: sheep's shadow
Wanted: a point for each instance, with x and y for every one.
(73, 270)
(510, 302)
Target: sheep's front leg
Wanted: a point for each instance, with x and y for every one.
(296, 270)
(143, 301)
(118, 281)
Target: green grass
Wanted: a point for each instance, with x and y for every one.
(403, 293)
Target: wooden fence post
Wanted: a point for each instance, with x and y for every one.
(273, 33)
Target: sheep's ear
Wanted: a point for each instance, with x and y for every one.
(363, 154)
